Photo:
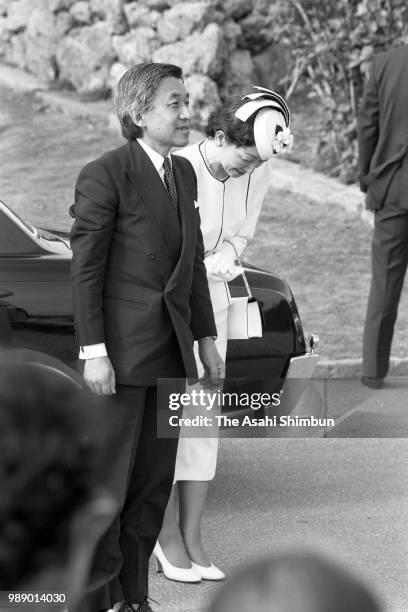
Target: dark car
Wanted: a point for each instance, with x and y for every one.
(36, 312)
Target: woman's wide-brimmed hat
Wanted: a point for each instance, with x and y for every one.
(271, 126)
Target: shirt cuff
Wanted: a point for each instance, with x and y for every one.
(93, 350)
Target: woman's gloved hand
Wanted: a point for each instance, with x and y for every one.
(221, 268)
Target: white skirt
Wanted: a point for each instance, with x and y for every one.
(197, 457)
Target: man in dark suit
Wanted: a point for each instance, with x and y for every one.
(140, 299)
(383, 149)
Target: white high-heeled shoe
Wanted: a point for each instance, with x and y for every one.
(172, 572)
(210, 572)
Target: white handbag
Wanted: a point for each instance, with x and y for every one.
(244, 314)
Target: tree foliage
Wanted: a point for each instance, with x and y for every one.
(332, 43)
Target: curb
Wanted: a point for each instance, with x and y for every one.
(18, 80)
(65, 101)
(353, 368)
(322, 189)
(70, 104)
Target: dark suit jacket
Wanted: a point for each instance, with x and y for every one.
(139, 282)
(383, 129)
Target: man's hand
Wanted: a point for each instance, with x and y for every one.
(214, 367)
(99, 375)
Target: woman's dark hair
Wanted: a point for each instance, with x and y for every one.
(49, 467)
(239, 133)
(135, 93)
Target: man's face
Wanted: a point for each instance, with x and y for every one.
(167, 122)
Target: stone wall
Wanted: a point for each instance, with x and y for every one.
(223, 46)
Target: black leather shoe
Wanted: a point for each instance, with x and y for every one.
(143, 607)
(122, 606)
(373, 382)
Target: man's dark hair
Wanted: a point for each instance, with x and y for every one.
(135, 93)
(49, 467)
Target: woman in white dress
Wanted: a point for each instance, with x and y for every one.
(233, 175)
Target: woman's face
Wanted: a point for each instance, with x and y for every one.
(236, 160)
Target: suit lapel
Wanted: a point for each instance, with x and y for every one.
(151, 189)
(185, 206)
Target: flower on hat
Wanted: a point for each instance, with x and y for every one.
(282, 142)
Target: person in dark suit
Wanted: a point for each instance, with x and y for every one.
(383, 149)
(140, 298)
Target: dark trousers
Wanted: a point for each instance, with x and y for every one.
(389, 263)
(141, 478)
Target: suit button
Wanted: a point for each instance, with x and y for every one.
(151, 255)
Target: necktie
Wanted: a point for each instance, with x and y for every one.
(169, 181)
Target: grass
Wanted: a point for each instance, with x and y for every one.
(319, 249)
(41, 154)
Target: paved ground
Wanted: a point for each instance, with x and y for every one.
(343, 496)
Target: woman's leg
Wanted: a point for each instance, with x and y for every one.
(170, 537)
(192, 498)
(195, 467)
(181, 541)
(200, 457)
